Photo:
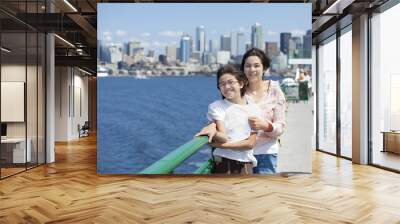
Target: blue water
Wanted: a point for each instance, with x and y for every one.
(141, 120)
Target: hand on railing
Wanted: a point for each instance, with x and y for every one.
(209, 130)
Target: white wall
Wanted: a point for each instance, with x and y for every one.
(14, 72)
(62, 81)
(71, 92)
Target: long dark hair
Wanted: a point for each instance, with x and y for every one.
(232, 70)
(266, 62)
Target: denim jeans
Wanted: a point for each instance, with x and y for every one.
(266, 164)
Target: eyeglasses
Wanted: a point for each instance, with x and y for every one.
(229, 82)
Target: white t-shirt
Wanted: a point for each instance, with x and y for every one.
(235, 118)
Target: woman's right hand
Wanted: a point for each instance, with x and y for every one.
(209, 130)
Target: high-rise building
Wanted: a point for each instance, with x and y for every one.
(200, 39)
(240, 43)
(233, 44)
(178, 53)
(284, 44)
(150, 53)
(295, 47)
(98, 49)
(307, 44)
(257, 37)
(128, 59)
(170, 52)
(225, 43)
(104, 54)
(213, 46)
(209, 58)
(125, 48)
(198, 56)
(115, 54)
(297, 41)
(133, 48)
(186, 47)
(279, 62)
(271, 49)
(162, 59)
(191, 46)
(248, 46)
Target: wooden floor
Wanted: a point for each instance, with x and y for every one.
(70, 191)
(387, 159)
(10, 171)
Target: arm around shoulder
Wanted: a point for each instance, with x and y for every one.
(246, 144)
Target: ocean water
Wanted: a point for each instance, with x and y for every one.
(141, 120)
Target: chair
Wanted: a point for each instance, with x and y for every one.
(84, 130)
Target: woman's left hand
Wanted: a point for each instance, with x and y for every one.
(258, 124)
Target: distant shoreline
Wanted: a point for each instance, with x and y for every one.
(162, 76)
(274, 76)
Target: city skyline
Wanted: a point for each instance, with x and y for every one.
(226, 42)
(160, 31)
(188, 46)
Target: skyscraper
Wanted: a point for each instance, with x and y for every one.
(197, 56)
(209, 58)
(233, 44)
(191, 46)
(125, 48)
(284, 45)
(170, 52)
(178, 53)
(151, 53)
(98, 50)
(200, 39)
(257, 37)
(115, 54)
(225, 43)
(297, 41)
(133, 48)
(248, 46)
(185, 48)
(163, 59)
(292, 48)
(271, 49)
(307, 42)
(213, 46)
(104, 53)
(240, 43)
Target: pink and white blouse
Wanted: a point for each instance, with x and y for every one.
(273, 107)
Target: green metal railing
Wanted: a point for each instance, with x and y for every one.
(168, 163)
(205, 168)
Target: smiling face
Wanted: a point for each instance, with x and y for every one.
(253, 69)
(230, 87)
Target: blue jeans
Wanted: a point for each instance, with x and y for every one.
(266, 164)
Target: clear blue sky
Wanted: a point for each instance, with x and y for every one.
(158, 24)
